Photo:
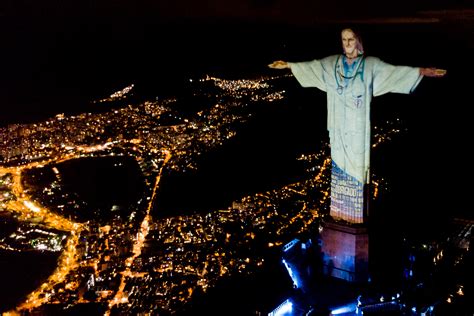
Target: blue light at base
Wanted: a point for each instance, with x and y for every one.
(290, 245)
(292, 275)
(344, 309)
(283, 309)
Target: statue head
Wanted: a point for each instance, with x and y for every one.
(351, 43)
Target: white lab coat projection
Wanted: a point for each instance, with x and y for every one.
(348, 122)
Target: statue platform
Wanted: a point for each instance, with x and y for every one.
(345, 251)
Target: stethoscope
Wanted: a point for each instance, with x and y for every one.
(338, 74)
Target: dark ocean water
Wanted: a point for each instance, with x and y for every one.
(50, 71)
(22, 273)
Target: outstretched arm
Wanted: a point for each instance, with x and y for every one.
(279, 64)
(432, 72)
(308, 73)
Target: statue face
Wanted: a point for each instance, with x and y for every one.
(349, 43)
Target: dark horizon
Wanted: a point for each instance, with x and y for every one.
(49, 70)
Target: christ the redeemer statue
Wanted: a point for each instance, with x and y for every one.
(350, 80)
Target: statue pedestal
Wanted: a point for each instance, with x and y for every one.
(345, 250)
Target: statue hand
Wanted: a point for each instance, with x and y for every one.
(432, 72)
(279, 64)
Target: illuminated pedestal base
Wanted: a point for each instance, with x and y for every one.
(345, 251)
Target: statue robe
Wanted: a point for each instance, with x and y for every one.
(348, 121)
